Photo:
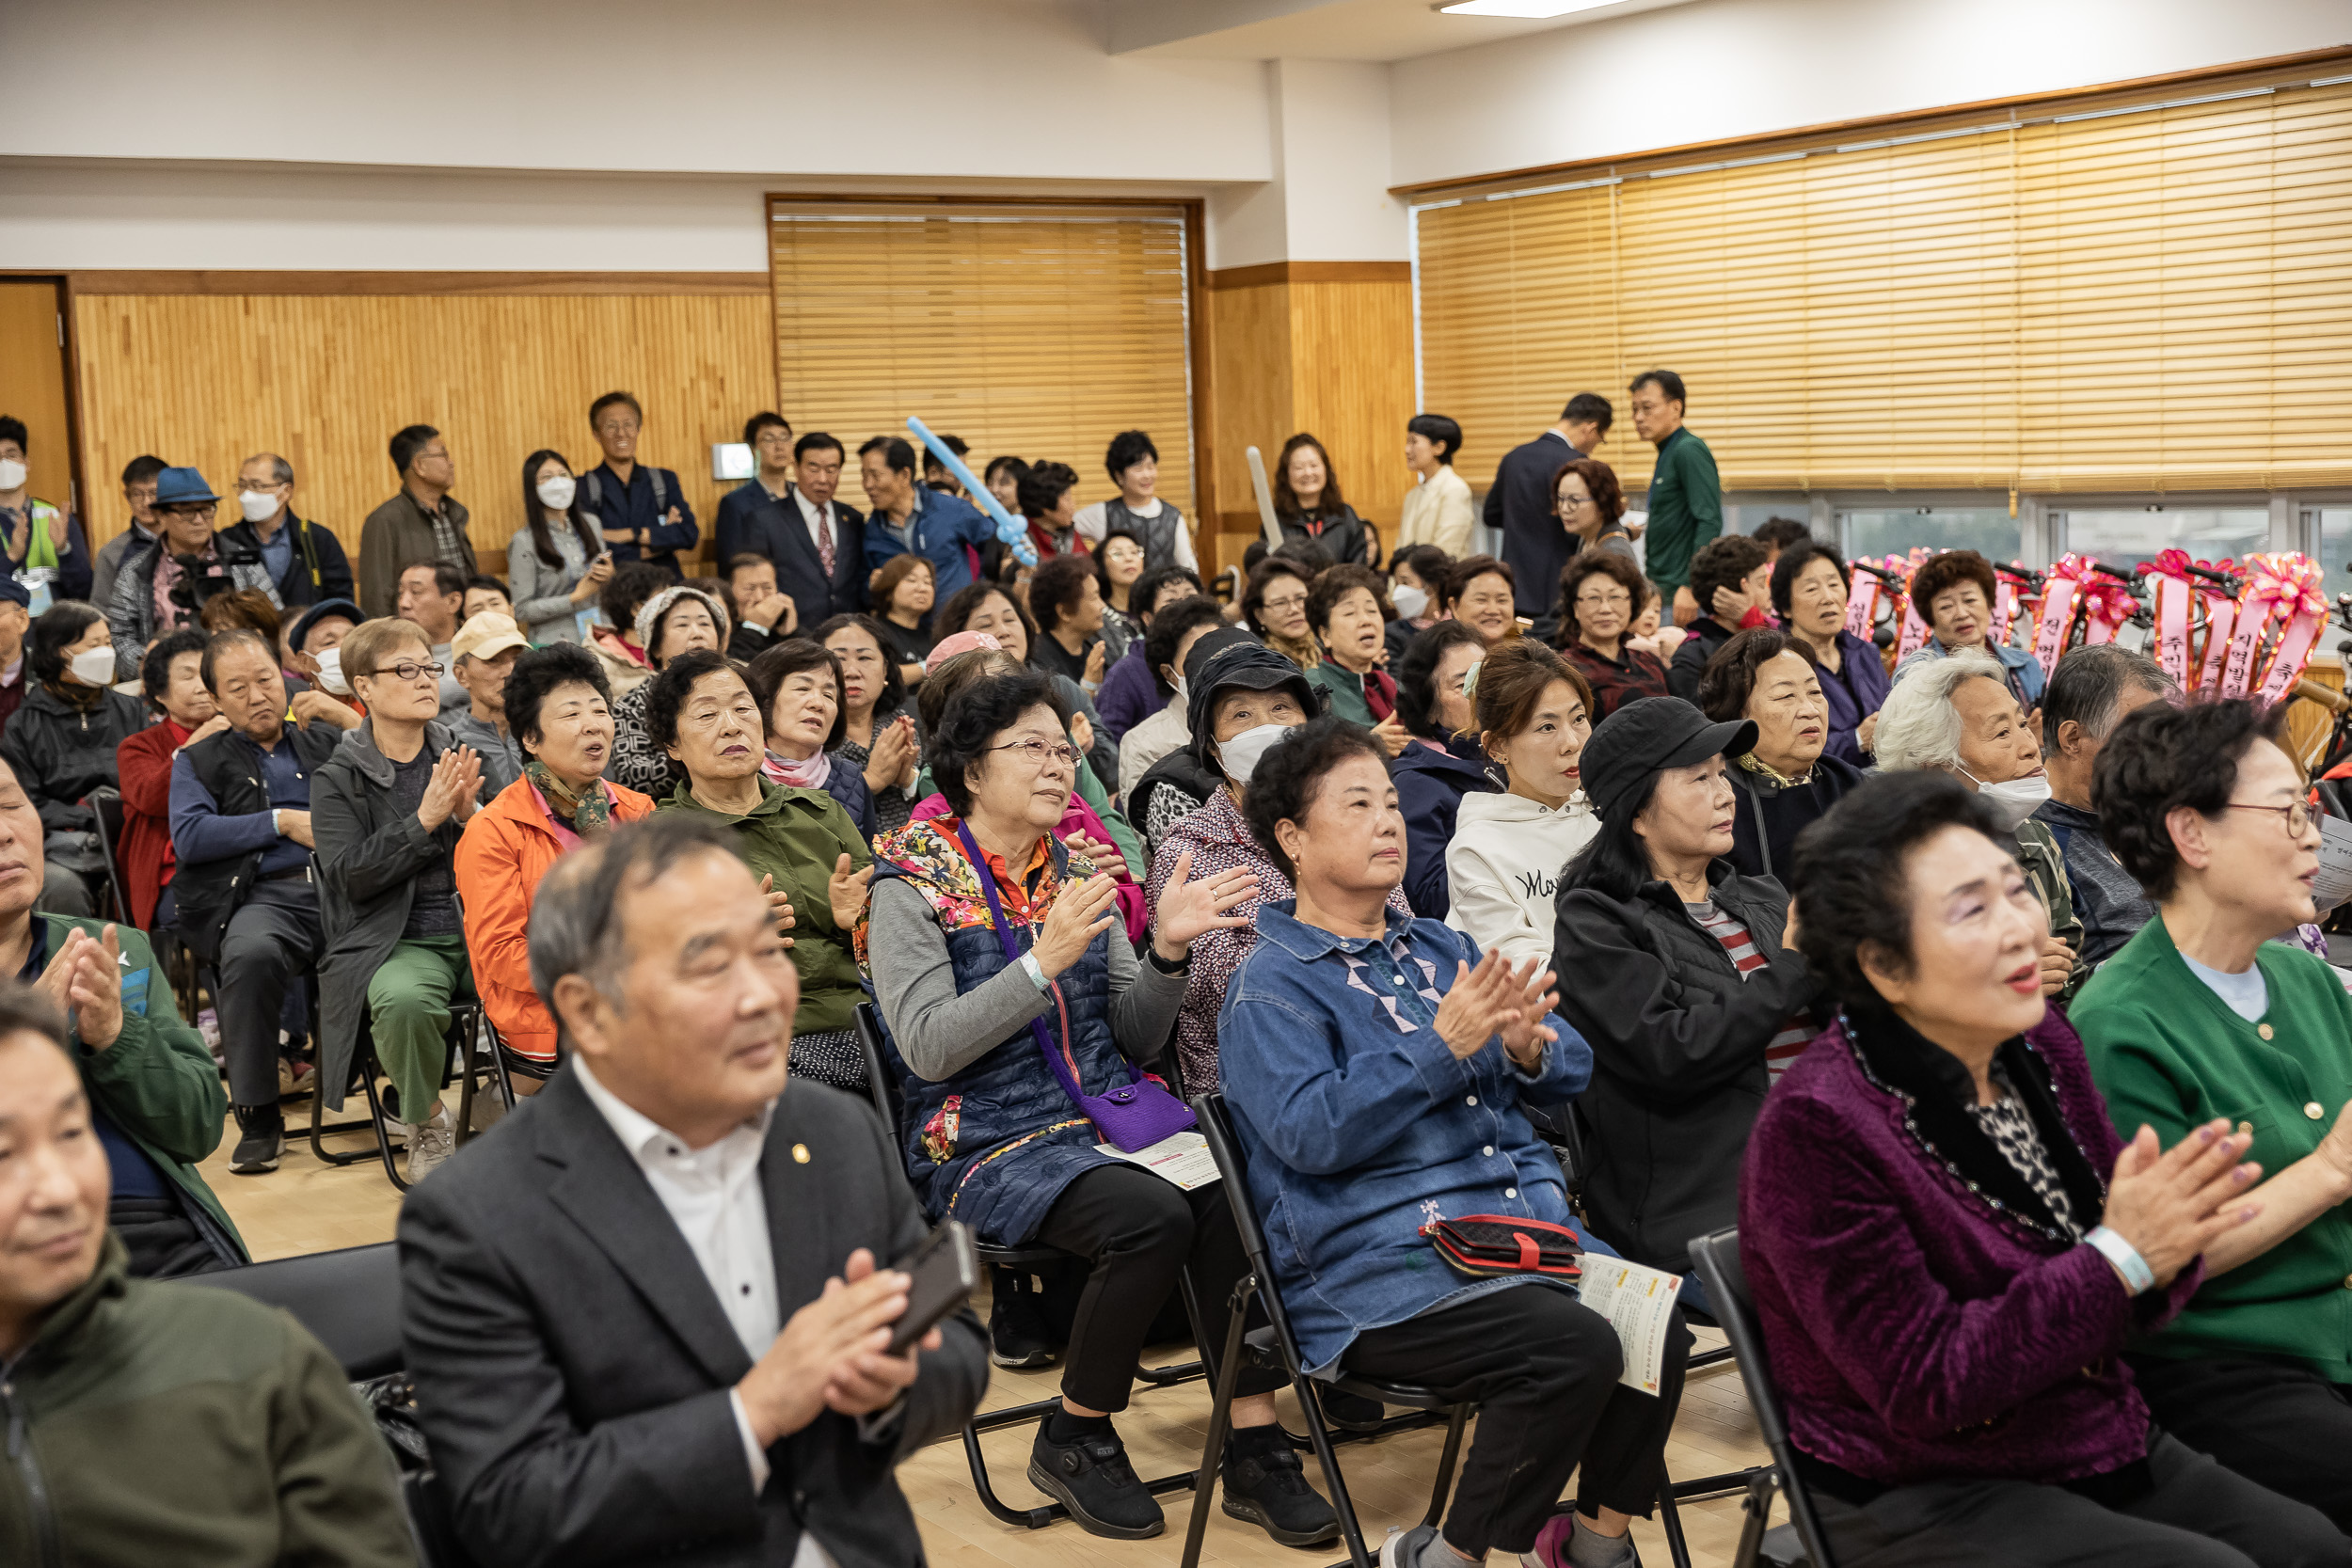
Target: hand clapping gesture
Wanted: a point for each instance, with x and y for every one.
(1188, 911)
(845, 890)
(451, 791)
(2174, 1205)
(780, 905)
(83, 979)
(1496, 999)
(1081, 912)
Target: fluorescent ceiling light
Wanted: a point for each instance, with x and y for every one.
(1533, 8)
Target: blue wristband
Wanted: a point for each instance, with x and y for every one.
(2137, 1277)
(1035, 971)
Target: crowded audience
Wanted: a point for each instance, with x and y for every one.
(1441, 762)
(1532, 714)
(1788, 782)
(1809, 589)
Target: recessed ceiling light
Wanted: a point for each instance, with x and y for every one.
(1533, 8)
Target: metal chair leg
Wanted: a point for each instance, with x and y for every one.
(1758, 1509)
(1319, 1438)
(1446, 1461)
(1220, 1413)
(1670, 1521)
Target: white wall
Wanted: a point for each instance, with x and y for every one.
(1736, 67)
(933, 88)
(1329, 200)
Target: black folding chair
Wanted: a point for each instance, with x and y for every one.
(464, 1014)
(883, 1085)
(1798, 1543)
(105, 803)
(1275, 1345)
(506, 1064)
(350, 1302)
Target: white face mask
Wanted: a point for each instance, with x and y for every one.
(1184, 697)
(558, 492)
(1409, 602)
(2015, 801)
(258, 505)
(12, 475)
(1241, 755)
(94, 668)
(331, 680)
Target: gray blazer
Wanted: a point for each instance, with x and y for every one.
(542, 594)
(573, 1365)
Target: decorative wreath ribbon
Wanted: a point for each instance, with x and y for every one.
(1861, 604)
(1914, 632)
(2287, 586)
(2169, 590)
(2109, 603)
(2061, 586)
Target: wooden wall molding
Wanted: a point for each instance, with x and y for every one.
(1267, 273)
(2273, 70)
(474, 284)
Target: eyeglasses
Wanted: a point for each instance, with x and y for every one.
(408, 670)
(1572, 503)
(1042, 755)
(2298, 815)
(1297, 602)
(257, 487)
(204, 512)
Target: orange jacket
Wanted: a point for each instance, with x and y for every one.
(507, 847)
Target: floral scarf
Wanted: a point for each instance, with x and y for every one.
(811, 774)
(588, 812)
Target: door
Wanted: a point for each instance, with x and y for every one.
(33, 382)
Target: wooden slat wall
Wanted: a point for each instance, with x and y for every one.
(2145, 299)
(33, 384)
(325, 379)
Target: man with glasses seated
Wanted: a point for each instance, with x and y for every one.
(241, 828)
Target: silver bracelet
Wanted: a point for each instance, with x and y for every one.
(2125, 1256)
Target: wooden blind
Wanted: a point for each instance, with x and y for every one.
(1041, 332)
(2150, 300)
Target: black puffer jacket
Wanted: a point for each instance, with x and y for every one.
(60, 753)
(1677, 1042)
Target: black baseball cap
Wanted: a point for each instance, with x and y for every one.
(1230, 657)
(318, 612)
(1649, 736)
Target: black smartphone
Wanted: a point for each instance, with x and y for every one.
(945, 1270)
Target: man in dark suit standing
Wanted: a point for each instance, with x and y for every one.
(817, 543)
(648, 1316)
(1519, 502)
(770, 436)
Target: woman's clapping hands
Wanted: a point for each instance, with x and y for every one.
(1498, 999)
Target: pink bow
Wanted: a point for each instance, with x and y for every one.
(2291, 583)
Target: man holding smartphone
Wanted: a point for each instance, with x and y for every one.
(651, 1315)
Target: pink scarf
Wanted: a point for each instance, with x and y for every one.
(811, 774)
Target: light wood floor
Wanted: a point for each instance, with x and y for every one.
(305, 1206)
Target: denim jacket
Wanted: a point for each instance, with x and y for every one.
(1360, 1126)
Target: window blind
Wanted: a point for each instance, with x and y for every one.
(2155, 299)
(1041, 332)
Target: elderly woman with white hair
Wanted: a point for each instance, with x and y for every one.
(1958, 715)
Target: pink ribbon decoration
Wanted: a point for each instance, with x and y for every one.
(2062, 586)
(2221, 617)
(1916, 631)
(2237, 664)
(2288, 585)
(1861, 604)
(2004, 606)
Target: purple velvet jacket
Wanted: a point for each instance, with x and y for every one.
(1920, 1326)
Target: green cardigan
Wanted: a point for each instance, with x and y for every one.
(2167, 1051)
(795, 836)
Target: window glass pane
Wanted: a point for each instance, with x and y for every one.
(2335, 547)
(1746, 517)
(2127, 537)
(1986, 528)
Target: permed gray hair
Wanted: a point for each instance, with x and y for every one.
(1919, 727)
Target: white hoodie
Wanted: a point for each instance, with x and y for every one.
(1503, 867)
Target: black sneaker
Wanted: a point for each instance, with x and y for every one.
(1090, 1477)
(1267, 1485)
(1017, 1336)
(1350, 1412)
(261, 1138)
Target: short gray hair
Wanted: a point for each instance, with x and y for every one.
(1918, 727)
(2088, 683)
(575, 926)
(281, 471)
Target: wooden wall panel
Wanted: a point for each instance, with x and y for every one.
(325, 380)
(1321, 347)
(33, 385)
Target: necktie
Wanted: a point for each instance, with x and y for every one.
(824, 537)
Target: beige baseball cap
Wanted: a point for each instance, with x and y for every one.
(486, 636)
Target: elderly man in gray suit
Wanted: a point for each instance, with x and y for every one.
(648, 1315)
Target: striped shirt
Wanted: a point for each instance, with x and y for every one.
(1797, 1031)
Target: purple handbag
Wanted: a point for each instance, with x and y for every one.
(1131, 1116)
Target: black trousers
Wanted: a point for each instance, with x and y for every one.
(2281, 1426)
(2198, 1515)
(1139, 1232)
(274, 937)
(1542, 1369)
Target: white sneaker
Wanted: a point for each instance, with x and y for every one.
(430, 1143)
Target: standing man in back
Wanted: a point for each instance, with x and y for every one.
(945, 531)
(1518, 504)
(305, 561)
(644, 512)
(421, 523)
(138, 489)
(1686, 498)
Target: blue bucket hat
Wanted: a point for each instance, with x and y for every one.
(182, 487)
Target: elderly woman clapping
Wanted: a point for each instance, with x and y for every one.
(2202, 1015)
(1950, 1247)
(1959, 716)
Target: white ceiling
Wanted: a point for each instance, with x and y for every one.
(1321, 29)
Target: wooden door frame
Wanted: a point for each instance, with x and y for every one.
(70, 355)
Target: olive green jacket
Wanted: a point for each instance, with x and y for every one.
(797, 836)
(160, 1422)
